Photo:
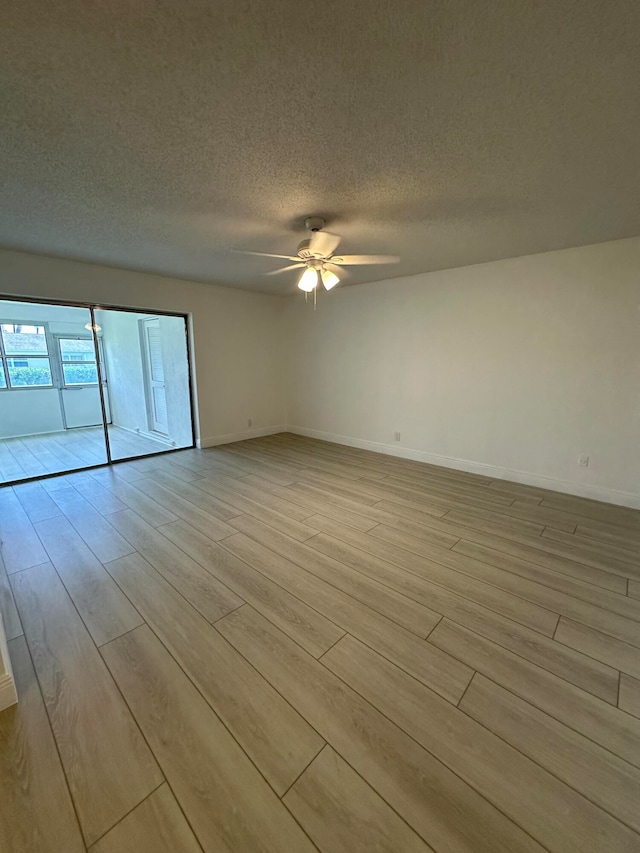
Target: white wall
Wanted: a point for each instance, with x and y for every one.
(520, 365)
(31, 411)
(237, 335)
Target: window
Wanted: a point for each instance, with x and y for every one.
(78, 359)
(24, 356)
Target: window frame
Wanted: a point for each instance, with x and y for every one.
(4, 365)
(64, 385)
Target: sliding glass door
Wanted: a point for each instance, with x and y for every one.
(146, 371)
(42, 399)
(83, 386)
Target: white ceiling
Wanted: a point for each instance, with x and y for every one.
(158, 135)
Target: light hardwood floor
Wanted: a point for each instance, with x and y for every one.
(37, 455)
(286, 645)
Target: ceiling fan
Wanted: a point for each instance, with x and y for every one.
(318, 260)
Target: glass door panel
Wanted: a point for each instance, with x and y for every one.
(48, 424)
(145, 363)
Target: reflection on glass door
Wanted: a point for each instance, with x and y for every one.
(50, 412)
(146, 363)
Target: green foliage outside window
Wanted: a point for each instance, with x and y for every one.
(80, 374)
(29, 376)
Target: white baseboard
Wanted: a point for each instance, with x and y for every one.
(28, 435)
(230, 437)
(8, 695)
(150, 435)
(583, 490)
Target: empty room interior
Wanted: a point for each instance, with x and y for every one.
(320, 427)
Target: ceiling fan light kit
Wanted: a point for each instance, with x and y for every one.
(317, 259)
(329, 279)
(308, 280)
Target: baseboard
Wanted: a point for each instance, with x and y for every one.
(582, 490)
(150, 435)
(8, 695)
(230, 437)
(28, 435)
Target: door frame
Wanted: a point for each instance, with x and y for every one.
(102, 379)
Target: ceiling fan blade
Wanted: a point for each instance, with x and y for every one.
(285, 269)
(323, 243)
(266, 255)
(336, 270)
(352, 260)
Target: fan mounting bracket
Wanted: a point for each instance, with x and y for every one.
(314, 223)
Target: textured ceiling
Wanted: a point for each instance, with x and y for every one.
(158, 135)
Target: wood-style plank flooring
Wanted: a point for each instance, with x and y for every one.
(38, 455)
(286, 645)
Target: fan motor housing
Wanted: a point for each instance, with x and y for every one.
(305, 254)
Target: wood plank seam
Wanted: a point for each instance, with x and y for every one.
(507, 743)
(196, 686)
(538, 763)
(295, 560)
(435, 757)
(456, 593)
(563, 722)
(54, 740)
(360, 638)
(144, 799)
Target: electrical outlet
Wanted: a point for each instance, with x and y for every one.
(396, 435)
(583, 461)
(249, 422)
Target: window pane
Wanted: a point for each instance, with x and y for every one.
(26, 372)
(3, 381)
(24, 340)
(80, 374)
(77, 350)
